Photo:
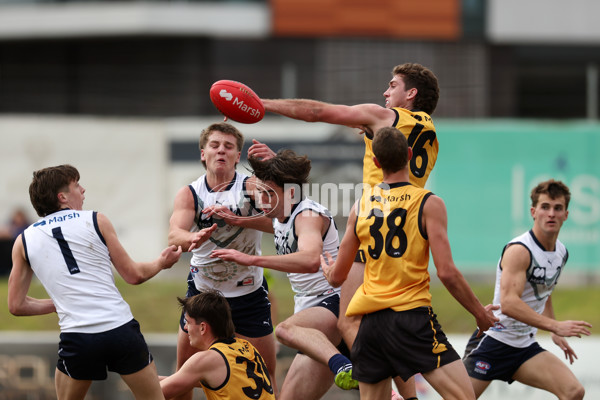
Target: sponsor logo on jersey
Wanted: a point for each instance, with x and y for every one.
(328, 292)
(246, 281)
(538, 275)
(482, 367)
(498, 327)
(57, 218)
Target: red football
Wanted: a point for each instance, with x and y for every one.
(237, 101)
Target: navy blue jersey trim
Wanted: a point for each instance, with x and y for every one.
(97, 227)
(420, 220)
(397, 117)
(540, 245)
(25, 247)
(229, 185)
(510, 244)
(228, 372)
(195, 199)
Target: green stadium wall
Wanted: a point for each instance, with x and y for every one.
(486, 170)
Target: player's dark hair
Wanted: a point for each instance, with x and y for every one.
(211, 307)
(221, 127)
(47, 183)
(285, 168)
(419, 77)
(391, 149)
(554, 189)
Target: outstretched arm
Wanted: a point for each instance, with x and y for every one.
(134, 272)
(363, 116)
(203, 367)
(18, 286)
(435, 221)
(309, 226)
(515, 261)
(258, 221)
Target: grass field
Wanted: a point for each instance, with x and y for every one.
(154, 305)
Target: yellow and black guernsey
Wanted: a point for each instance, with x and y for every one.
(417, 127)
(247, 375)
(389, 228)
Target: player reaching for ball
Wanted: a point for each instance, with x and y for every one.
(410, 99)
(303, 230)
(244, 286)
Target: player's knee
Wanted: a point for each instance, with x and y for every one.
(282, 331)
(576, 392)
(341, 324)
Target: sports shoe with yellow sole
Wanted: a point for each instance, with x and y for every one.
(343, 379)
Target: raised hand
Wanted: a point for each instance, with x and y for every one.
(260, 150)
(201, 236)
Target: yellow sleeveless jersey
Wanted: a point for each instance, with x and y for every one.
(396, 248)
(418, 128)
(247, 376)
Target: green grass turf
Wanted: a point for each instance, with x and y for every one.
(154, 305)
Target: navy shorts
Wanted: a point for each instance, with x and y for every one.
(87, 356)
(332, 303)
(251, 313)
(492, 359)
(399, 343)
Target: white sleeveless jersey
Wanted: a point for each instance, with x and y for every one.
(542, 276)
(69, 256)
(231, 279)
(286, 242)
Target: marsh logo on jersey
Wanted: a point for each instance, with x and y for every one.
(538, 275)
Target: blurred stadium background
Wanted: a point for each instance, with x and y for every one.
(120, 90)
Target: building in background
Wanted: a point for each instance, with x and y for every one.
(494, 58)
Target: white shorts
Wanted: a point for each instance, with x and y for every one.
(304, 302)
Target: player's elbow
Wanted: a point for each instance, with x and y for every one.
(313, 264)
(134, 277)
(16, 308)
(508, 306)
(447, 276)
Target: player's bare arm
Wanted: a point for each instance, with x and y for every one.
(258, 222)
(515, 261)
(337, 272)
(372, 116)
(309, 227)
(19, 303)
(134, 272)
(435, 222)
(206, 367)
(182, 220)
